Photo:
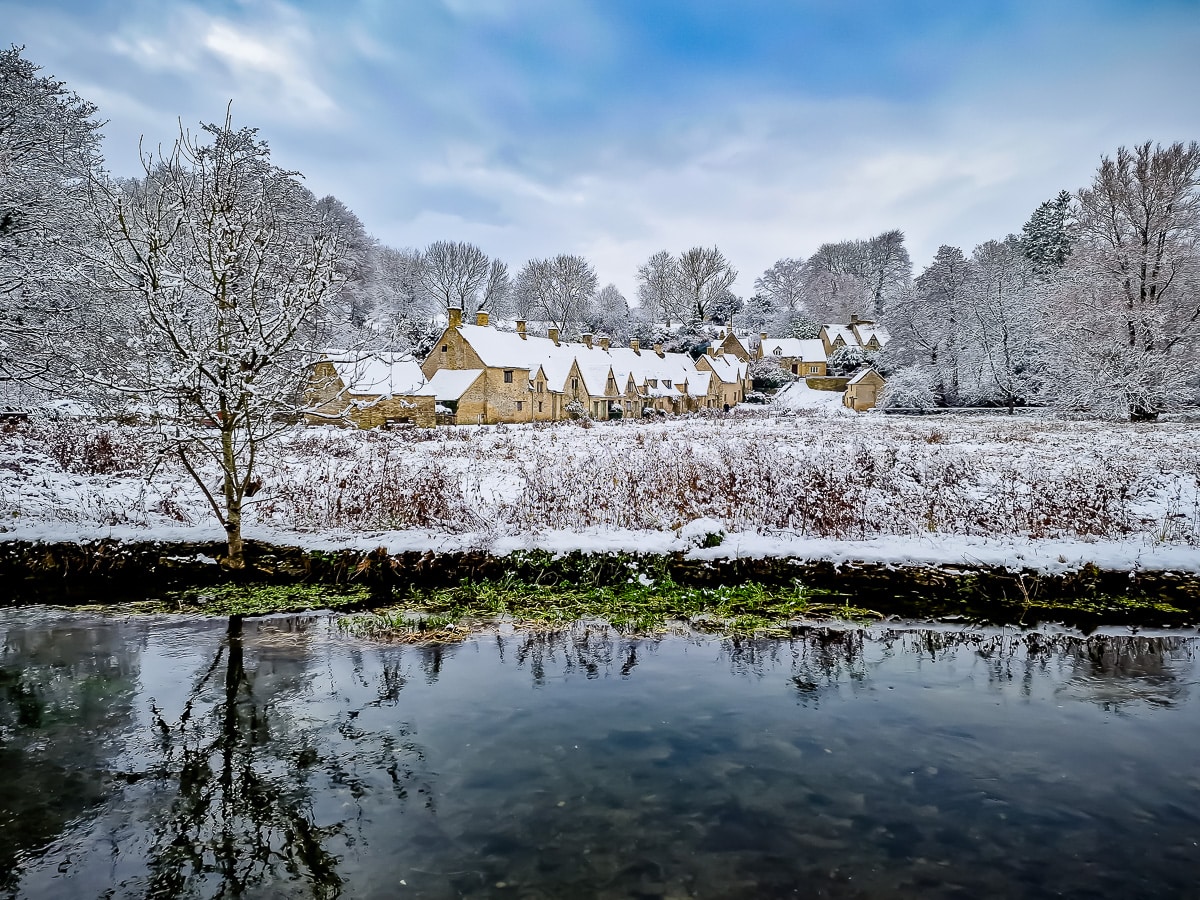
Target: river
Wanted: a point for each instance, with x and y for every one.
(278, 757)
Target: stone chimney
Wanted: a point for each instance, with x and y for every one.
(762, 341)
(521, 328)
(455, 313)
(553, 333)
(712, 351)
(658, 349)
(604, 342)
(636, 346)
(587, 341)
(481, 318)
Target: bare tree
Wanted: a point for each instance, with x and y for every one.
(782, 288)
(496, 289)
(659, 288)
(213, 263)
(705, 275)
(453, 272)
(557, 290)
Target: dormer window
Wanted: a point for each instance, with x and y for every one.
(666, 382)
(778, 351)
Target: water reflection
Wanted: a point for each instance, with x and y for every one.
(276, 757)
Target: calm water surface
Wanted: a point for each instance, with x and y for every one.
(182, 758)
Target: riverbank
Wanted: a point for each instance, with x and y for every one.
(636, 585)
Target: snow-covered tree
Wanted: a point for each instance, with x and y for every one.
(927, 323)
(912, 387)
(1130, 299)
(608, 313)
(1004, 324)
(705, 276)
(213, 264)
(49, 150)
(1047, 237)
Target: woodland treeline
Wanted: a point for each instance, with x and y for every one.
(110, 286)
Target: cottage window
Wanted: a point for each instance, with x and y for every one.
(778, 351)
(540, 385)
(444, 348)
(666, 382)
(508, 376)
(520, 405)
(814, 370)
(575, 384)
(539, 406)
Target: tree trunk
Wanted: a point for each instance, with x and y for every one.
(235, 557)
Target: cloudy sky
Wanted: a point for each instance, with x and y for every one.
(615, 128)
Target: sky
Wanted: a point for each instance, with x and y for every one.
(617, 128)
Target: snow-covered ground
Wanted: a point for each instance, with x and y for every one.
(802, 482)
(798, 396)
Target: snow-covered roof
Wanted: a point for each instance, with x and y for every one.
(861, 374)
(507, 349)
(728, 369)
(794, 348)
(451, 384)
(697, 384)
(865, 332)
(845, 332)
(377, 373)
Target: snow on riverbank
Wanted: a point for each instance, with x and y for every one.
(1026, 494)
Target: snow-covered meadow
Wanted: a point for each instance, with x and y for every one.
(803, 482)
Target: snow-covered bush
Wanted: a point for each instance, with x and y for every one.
(768, 375)
(576, 410)
(757, 397)
(910, 388)
(849, 359)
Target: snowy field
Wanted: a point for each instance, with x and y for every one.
(805, 481)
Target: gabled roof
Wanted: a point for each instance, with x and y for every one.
(861, 374)
(729, 369)
(845, 332)
(794, 348)
(451, 384)
(865, 332)
(378, 373)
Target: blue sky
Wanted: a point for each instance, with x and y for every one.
(615, 128)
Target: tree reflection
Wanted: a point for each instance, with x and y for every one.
(245, 774)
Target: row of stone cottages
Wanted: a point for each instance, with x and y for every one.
(477, 374)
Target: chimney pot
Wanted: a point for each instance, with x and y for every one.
(604, 343)
(455, 314)
(587, 341)
(481, 318)
(636, 346)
